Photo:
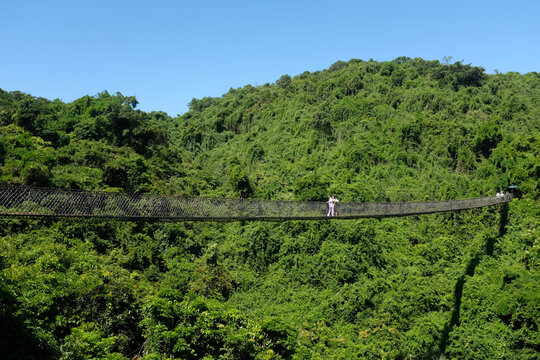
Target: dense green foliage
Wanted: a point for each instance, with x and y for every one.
(464, 284)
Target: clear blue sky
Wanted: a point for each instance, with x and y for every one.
(167, 52)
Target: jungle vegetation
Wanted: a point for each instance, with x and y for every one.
(463, 285)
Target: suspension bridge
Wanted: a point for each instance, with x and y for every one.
(16, 201)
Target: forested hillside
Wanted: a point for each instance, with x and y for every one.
(463, 285)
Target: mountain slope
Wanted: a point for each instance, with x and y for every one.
(463, 284)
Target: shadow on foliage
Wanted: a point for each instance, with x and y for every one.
(17, 341)
(469, 271)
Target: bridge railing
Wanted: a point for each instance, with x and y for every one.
(45, 202)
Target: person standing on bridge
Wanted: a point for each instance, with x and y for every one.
(330, 203)
(332, 200)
